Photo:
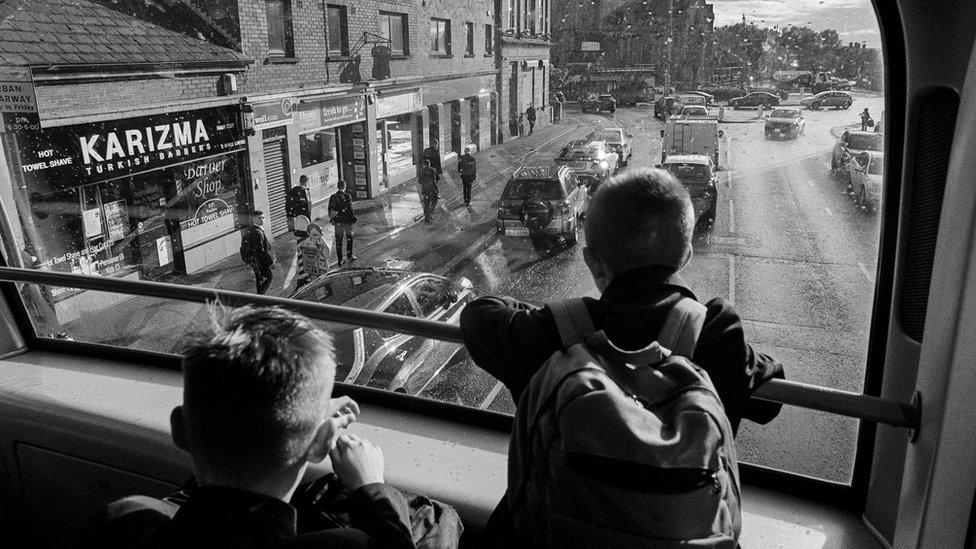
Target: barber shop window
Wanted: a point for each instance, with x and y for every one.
(280, 40)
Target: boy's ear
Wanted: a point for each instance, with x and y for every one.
(323, 441)
(597, 269)
(177, 425)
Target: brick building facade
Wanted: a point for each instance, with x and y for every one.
(253, 95)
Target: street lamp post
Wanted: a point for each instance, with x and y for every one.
(667, 68)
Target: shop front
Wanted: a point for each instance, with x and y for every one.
(139, 197)
(398, 141)
(332, 146)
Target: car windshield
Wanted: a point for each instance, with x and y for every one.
(612, 136)
(784, 113)
(521, 189)
(866, 142)
(688, 172)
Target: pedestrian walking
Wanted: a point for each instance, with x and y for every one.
(342, 218)
(257, 252)
(433, 155)
(428, 190)
(530, 116)
(866, 120)
(298, 207)
(313, 255)
(468, 170)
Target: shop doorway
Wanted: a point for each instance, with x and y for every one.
(474, 135)
(456, 126)
(513, 107)
(276, 173)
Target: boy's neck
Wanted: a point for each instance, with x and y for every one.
(279, 486)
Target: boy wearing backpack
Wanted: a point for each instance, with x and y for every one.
(595, 456)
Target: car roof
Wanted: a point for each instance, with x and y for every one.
(363, 287)
(538, 172)
(688, 159)
(787, 109)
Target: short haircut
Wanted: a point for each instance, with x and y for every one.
(641, 217)
(341, 185)
(256, 388)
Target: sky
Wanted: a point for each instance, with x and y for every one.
(854, 20)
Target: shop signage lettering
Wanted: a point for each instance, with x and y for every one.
(398, 104)
(331, 113)
(17, 90)
(269, 115)
(72, 156)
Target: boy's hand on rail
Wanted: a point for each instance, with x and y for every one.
(344, 405)
(357, 461)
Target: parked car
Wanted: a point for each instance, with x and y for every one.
(619, 141)
(690, 111)
(700, 176)
(754, 99)
(389, 359)
(832, 98)
(784, 122)
(598, 102)
(709, 98)
(852, 142)
(542, 201)
(691, 99)
(593, 161)
(865, 174)
(665, 106)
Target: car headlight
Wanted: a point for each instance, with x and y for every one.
(603, 164)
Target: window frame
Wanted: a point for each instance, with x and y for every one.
(489, 40)
(389, 16)
(469, 39)
(435, 34)
(288, 35)
(343, 50)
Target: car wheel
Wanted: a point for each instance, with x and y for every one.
(613, 109)
(815, 106)
(846, 105)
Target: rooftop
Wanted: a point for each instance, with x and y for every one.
(66, 34)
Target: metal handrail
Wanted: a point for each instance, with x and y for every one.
(824, 399)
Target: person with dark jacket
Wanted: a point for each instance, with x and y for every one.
(866, 120)
(639, 229)
(468, 170)
(530, 116)
(257, 252)
(298, 207)
(342, 217)
(256, 411)
(432, 154)
(427, 183)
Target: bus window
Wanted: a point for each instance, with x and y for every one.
(165, 186)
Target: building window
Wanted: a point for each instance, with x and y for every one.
(393, 27)
(279, 27)
(532, 16)
(440, 36)
(489, 40)
(338, 30)
(512, 10)
(469, 42)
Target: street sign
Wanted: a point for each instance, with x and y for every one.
(18, 103)
(590, 46)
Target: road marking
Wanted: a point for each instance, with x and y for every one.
(732, 279)
(731, 216)
(864, 271)
(453, 262)
(491, 395)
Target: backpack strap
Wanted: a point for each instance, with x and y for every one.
(572, 320)
(682, 327)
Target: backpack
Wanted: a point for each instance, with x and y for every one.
(615, 448)
(247, 251)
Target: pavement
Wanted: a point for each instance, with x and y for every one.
(389, 214)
